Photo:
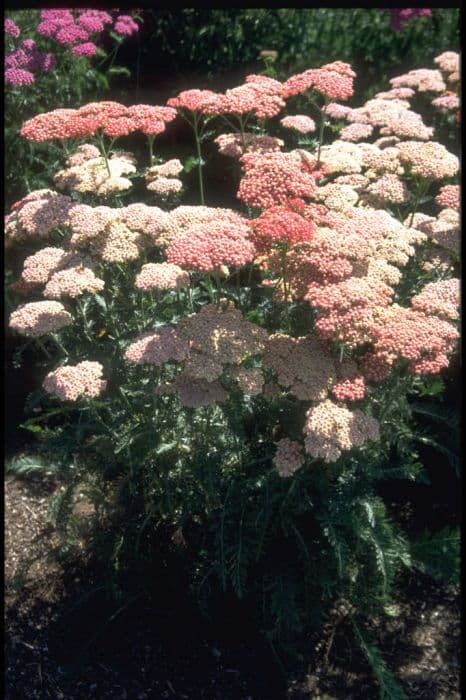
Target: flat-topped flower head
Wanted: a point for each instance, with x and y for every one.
(300, 123)
(71, 382)
(39, 318)
(288, 457)
(161, 276)
(206, 247)
(422, 80)
(334, 81)
(73, 282)
(302, 365)
(331, 429)
(194, 100)
(449, 197)
(272, 178)
(428, 160)
(281, 224)
(165, 345)
(440, 298)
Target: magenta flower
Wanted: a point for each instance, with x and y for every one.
(11, 28)
(17, 77)
(88, 49)
(125, 25)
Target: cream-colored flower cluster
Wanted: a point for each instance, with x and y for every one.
(302, 365)
(70, 382)
(288, 457)
(97, 175)
(331, 429)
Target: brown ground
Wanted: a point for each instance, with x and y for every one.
(166, 654)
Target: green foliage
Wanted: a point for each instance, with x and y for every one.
(388, 687)
(438, 554)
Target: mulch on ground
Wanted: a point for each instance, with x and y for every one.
(172, 653)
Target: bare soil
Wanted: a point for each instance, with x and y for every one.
(169, 652)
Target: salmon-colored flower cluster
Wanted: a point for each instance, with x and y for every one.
(280, 224)
(234, 145)
(109, 118)
(69, 383)
(300, 123)
(206, 247)
(157, 348)
(272, 178)
(449, 197)
(440, 298)
(73, 282)
(334, 81)
(424, 341)
(428, 160)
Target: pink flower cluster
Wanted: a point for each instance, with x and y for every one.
(281, 224)
(206, 247)
(38, 318)
(24, 62)
(424, 341)
(299, 122)
(449, 197)
(68, 29)
(399, 18)
(272, 178)
(71, 382)
(157, 348)
(161, 276)
(111, 118)
(439, 299)
(334, 81)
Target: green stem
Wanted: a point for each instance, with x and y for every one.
(199, 156)
(104, 152)
(150, 138)
(421, 192)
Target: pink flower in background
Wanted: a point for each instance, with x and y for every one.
(125, 25)
(71, 34)
(11, 28)
(94, 21)
(87, 49)
(17, 77)
(400, 17)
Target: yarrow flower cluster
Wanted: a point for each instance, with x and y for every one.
(331, 429)
(288, 457)
(206, 247)
(272, 178)
(70, 382)
(161, 276)
(38, 318)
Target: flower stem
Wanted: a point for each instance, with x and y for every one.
(104, 152)
(199, 156)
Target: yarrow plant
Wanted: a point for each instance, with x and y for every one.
(246, 373)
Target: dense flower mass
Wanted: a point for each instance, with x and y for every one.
(280, 224)
(299, 122)
(449, 197)
(439, 298)
(331, 429)
(161, 276)
(288, 457)
(38, 318)
(424, 341)
(302, 365)
(72, 282)
(157, 348)
(272, 178)
(334, 81)
(428, 160)
(69, 383)
(206, 247)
